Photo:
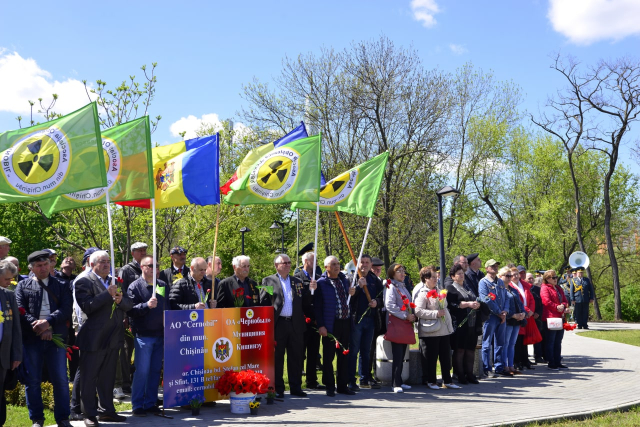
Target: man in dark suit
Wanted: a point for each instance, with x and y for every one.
(311, 336)
(100, 338)
(193, 291)
(10, 342)
(581, 293)
(47, 304)
(289, 324)
(178, 269)
(225, 294)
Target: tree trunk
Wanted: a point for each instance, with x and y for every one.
(607, 235)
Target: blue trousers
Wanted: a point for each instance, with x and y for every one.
(148, 361)
(509, 349)
(554, 347)
(493, 330)
(36, 354)
(360, 349)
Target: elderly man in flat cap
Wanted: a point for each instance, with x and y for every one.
(47, 304)
(178, 269)
(5, 245)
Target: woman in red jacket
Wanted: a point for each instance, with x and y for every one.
(523, 290)
(554, 305)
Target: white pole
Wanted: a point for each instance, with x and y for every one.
(153, 216)
(113, 265)
(364, 243)
(315, 244)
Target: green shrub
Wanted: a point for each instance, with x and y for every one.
(17, 396)
(630, 304)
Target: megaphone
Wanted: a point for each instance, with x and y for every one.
(579, 259)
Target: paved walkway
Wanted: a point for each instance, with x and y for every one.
(603, 375)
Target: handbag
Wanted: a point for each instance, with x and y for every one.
(399, 331)
(430, 325)
(554, 323)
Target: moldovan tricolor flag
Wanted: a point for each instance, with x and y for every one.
(127, 153)
(289, 173)
(354, 191)
(184, 173)
(258, 152)
(57, 157)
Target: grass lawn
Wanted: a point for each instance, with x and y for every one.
(18, 416)
(631, 337)
(618, 419)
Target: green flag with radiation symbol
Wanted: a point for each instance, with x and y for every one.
(286, 174)
(127, 161)
(354, 191)
(57, 157)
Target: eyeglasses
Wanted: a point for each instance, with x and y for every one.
(151, 265)
(507, 275)
(554, 277)
(285, 263)
(400, 270)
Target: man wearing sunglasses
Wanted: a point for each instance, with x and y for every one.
(288, 297)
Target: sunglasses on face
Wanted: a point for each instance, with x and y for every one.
(554, 277)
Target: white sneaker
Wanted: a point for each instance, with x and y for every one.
(433, 386)
(406, 387)
(118, 393)
(452, 385)
(398, 390)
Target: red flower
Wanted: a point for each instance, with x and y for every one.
(247, 297)
(337, 344)
(403, 308)
(119, 279)
(432, 294)
(199, 286)
(388, 283)
(69, 350)
(75, 347)
(404, 297)
(208, 291)
(22, 311)
(405, 301)
(238, 292)
(492, 296)
(412, 305)
(307, 319)
(345, 352)
(68, 356)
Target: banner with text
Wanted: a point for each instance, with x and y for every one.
(199, 345)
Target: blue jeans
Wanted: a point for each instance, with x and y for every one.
(361, 339)
(553, 350)
(508, 352)
(493, 330)
(36, 354)
(148, 361)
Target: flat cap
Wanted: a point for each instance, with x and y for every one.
(178, 250)
(490, 263)
(38, 256)
(138, 245)
(472, 257)
(4, 241)
(50, 251)
(88, 253)
(376, 262)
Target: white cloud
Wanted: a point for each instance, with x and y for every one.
(191, 124)
(424, 11)
(457, 49)
(588, 21)
(22, 79)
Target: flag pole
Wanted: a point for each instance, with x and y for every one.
(315, 244)
(364, 243)
(113, 265)
(298, 234)
(155, 257)
(353, 257)
(213, 256)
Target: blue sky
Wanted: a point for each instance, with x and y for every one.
(206, 50)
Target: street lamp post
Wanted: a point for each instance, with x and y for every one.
(445, 191)
(244, 230)
(279, 225)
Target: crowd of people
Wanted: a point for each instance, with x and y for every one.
(93, 324)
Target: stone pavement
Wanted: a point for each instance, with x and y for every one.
(603, 375)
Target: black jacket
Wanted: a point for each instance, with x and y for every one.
(183, 295)
(307, 308)
(145, 321)
(359, 302)
(472, 279)
(168, 276)
(300, 296)
(225, 289)
(29, 296)
(129, 274)
(101, 330)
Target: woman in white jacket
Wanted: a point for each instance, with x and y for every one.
(434, 329)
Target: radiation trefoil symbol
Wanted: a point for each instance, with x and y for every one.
(113, 166)
(339, 188)
(275, 174)
(37, 163)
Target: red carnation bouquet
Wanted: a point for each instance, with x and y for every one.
(242, 382)
(569, 326)
(238, 295)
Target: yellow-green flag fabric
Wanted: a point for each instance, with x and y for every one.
(127, 161)
(354, 191)
(290, 173)
(57, 157)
